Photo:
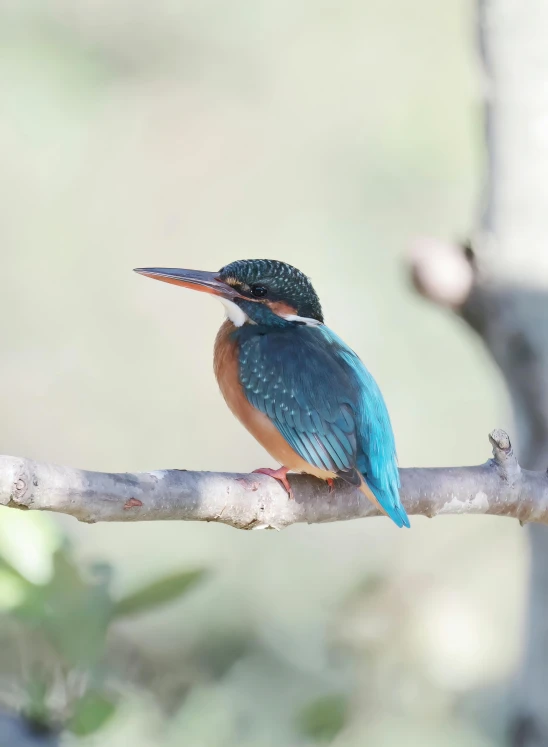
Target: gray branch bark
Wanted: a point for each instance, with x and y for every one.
(498, 487)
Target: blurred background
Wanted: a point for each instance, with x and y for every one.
(190, 134)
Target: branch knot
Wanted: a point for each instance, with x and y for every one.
(20, 494)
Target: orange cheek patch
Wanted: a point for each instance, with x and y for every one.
(281, 308)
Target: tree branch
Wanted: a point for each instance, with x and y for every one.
(498, 487)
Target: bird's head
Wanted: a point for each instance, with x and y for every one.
(256, 290)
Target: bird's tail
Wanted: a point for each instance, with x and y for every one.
(387, 502)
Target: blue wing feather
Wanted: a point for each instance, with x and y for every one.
(325, 403)
(377, 458)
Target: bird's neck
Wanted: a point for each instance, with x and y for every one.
(247, 318)
(261, 315)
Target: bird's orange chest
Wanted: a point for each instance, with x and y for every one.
(226, 367)
(227, 373)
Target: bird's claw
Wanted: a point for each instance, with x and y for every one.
(331, 483)
(278, 474)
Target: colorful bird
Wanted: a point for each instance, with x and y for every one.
(293, 383)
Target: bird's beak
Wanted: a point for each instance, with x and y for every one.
(207, 282)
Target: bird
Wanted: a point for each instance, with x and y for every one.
(294, 384)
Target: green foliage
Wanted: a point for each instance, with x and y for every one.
(10, 570)
(72, 611)
(36, 709)
(91, 712)
(159, 592)
(324, 718)
(70, 615)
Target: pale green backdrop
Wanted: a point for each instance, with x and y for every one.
(190, 134)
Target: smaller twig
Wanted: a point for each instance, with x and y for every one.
(504, 456)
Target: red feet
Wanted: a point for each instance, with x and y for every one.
(330, 481)
(278, 474)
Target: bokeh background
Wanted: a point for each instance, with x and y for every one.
(189, 134)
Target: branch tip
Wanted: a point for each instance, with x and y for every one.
(503, 455)
(500, 440)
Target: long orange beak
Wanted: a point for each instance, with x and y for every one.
(207, 282)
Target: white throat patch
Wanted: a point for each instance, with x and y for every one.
(237, 316)
(303, 319)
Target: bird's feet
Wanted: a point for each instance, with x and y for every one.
(331, 482)
(278, 474)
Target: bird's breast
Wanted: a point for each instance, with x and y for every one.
(226, 365)
(227, 372)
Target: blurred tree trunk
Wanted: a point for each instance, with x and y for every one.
(499, 285)
(509, 304)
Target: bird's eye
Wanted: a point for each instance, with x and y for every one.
(259, 291)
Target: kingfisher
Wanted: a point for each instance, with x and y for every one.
(293, 383)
